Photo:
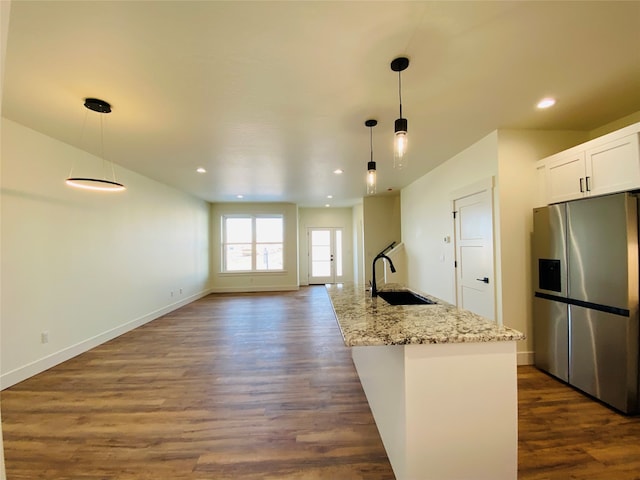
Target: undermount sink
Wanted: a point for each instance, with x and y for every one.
(404, 298)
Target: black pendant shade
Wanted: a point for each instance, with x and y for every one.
(400, 126)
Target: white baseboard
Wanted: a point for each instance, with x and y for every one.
(22, 373)
(526, 358)
(255, 289)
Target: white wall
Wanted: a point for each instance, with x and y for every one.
(326, 218)
(427, 216)
(382, 225)
(262, 281)
(398, 256)
(358, 244)
(509, 156)
(518, 151)
(5, 9)
(87, 266)
(615, 125)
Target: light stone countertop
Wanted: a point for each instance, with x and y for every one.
(364, 320)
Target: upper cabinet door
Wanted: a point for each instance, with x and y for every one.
(604, 165)
(566, 177)
(614, 166)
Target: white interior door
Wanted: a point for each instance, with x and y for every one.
(325, 255)
(474, 253)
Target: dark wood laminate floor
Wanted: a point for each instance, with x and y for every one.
(228, 387)
(563, 434)
(261, 386)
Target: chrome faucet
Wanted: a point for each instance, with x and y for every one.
(374, 288)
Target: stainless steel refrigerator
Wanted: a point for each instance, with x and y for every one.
(585, 308)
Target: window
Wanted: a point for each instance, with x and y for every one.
(252, 243)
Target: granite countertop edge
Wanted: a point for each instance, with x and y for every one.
(367, 321)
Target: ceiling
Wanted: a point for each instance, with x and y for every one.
(271, 97)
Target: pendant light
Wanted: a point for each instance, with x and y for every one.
(371, 166)
(101, 184)
(400, 141)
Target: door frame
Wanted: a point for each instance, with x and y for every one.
(334, 276)
(472, 189)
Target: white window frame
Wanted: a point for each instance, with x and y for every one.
(254, 269)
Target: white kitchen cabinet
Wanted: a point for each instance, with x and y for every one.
(604, 165)
(613, 167)
(565, 176)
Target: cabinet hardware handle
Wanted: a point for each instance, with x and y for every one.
(581, 186)
(588, 184)
(483, 280)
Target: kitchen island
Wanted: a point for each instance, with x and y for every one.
(440, 381)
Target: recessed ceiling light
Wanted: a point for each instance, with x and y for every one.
(239, 196)
(337, 171)
(329, 196)
(327, 205)
(201, 170)
(546, 102)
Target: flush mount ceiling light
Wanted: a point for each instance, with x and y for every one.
(371, 166)
(546, 103)
(338, 171)
(201, 170)
(400, 141)
(103, 184)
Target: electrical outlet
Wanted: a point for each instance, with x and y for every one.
(44, 337)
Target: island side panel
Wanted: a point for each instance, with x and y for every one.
(381, 371)
(461, 411)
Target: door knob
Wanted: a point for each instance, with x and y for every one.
(484, 280)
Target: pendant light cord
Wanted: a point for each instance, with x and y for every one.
(371, 141)
(105, 164)
(104, 161)
(400, 91)
(95, 182)
(84, 126)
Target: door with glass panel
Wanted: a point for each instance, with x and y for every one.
(325, 255)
